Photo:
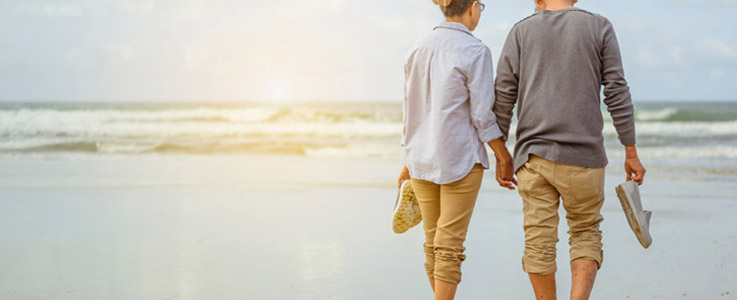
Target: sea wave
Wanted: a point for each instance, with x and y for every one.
(204, 114)
(656, 115)
(674, 114)
(255, 122)
(681, 129)
(294, 147)
(311, 130)
(681, 152)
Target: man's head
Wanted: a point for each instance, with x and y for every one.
(553, 4)
(466, 12)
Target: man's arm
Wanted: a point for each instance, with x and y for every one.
(507, 83)
(619, 101)
(616, 92)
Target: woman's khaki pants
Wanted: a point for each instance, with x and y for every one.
(446, 212)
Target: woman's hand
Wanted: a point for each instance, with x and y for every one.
(505, 173)
(404, 175)
(504, 166)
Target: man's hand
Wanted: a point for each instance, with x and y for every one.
(404, 175)
(504, 168)
(632, 166)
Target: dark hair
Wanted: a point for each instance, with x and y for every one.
(452, 8)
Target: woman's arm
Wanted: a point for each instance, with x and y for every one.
(504, 166)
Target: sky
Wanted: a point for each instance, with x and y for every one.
(326, 50)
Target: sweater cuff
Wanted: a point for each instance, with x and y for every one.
(627, 140)
(490, 133)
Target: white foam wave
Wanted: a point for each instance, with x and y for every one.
(681, 129)
(85, 129)
(26, 115)
(655, 115)
(681, 152)
(113, 147)
(365, 150)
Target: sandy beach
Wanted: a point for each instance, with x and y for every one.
(294, 227)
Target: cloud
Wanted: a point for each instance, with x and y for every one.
(662, 57)
(719, 49)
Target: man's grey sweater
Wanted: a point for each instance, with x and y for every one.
(553, 66)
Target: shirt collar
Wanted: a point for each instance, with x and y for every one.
(454, 26)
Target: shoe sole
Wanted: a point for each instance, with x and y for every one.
(641, 230)
(402, 223)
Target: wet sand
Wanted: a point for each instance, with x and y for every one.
(290, 227)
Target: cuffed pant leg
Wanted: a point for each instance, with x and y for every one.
(583, 202)
(540, 201)
(457, 201)
(428, 197)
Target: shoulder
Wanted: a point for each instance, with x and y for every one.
(583, 12)
(578, 12)
(593, 15)
(525, 20)
(421, 42)
(596, 18)
(424, 40)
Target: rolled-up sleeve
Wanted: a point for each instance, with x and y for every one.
(481, 93)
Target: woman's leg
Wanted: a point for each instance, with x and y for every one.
(457, 201)
(428, 197)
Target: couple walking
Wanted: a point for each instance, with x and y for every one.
(552, 67)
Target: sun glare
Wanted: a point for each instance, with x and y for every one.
(280, 91)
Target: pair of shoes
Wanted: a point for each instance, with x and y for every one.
(406, 209)
(638, 219)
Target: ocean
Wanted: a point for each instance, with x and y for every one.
(674, 132)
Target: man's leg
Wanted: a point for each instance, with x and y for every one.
(583, 273)
(583, 197)
(540, 202)
(457, 201)
(428, 197)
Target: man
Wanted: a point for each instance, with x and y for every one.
(552, 67)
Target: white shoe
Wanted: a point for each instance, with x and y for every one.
(639, 220)
(406, 209)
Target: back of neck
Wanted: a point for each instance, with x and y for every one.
(557, 5)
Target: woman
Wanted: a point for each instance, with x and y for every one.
(449, 95)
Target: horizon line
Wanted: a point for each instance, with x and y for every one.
(251, 101)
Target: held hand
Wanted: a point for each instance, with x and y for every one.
(404, 175)
(504, 167)
(634, 169)
(505, 174)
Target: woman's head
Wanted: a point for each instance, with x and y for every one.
(467, 12)
(453, 8)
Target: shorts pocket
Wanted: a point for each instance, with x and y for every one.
(526, 179)
(586, 183)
